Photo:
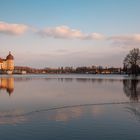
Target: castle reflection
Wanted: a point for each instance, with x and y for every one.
(7, 83)
(131, 87)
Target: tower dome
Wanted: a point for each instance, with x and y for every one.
(10, 56)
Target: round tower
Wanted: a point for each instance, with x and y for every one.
(10, 85)
(10, 62)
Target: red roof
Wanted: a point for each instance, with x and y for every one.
(10, 56)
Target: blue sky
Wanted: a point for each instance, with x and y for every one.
(52, 33)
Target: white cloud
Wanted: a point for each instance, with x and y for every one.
(96, 36)
(63, 32)
(133, 37)
(68, 33)
(12, 29)
(129, 41)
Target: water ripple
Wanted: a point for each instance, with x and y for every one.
(65, 107)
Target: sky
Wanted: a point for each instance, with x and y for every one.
(55, 33)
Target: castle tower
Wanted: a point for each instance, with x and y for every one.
(10, 85)
(10, 62)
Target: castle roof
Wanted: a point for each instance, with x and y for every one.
(10, 56)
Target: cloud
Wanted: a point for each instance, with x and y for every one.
(132, 40)
(133, 37)
(67, 33)
(12, 29)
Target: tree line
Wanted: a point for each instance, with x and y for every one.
(131, 66)
(132, 62)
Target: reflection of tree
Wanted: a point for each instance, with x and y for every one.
(134, 110)
(132, 89)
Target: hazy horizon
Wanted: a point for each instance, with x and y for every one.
(52, 33)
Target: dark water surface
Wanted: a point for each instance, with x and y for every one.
(69, 107)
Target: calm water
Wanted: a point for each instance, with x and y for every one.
(69, 107)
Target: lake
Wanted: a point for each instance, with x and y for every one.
(69, 107)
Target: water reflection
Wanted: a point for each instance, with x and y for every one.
(132, 89)
(12, 117)
(60, 114)
(7, 83)
(71, 113)
(83, 80)
(134, 110)
(50, 92)
(69, 108)
(66, 114)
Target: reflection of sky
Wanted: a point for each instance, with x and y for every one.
(11, 117)
(84, 122)
(45, 92)
(44, 108)
(39, 93)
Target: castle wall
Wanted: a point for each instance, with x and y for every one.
(1, 65)
(7, 65)
(4, 65)
(10, 65)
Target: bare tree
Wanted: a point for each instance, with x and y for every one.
(132, 61)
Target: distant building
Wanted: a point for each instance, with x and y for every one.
(7, 65)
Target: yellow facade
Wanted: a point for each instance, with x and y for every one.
(10, 65)
(7, 65)
(4, 65)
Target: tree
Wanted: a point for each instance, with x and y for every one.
(132, 61)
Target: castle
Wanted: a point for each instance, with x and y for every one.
(7, 65)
